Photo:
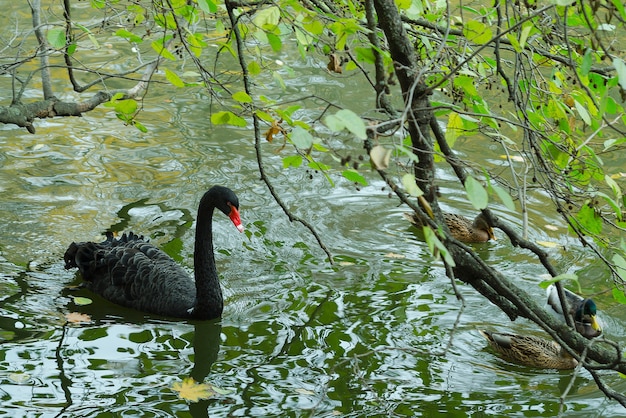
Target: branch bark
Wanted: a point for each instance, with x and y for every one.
(500, 290)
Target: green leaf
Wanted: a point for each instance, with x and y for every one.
(477, 32)
(619, 295)
(139, 126)
(127, 107)
(406, 151)
(436, 247)
(354, 176)
(620, 266)
(476, 193)
(56, 38)
(303, 37)
(315, 27)
(90, 35)
(173, 78)
(267, 18)
(582, 111)
(565, 276)
(589, 220)
(585, 66)
(227, 118)
(334, 123)
(166, 21)
(81, 301)
(292, 161)
(352, 122)
(408, 181)
(526, 28)
(161, 50)
(207, 6)
(264, 116)
(254, 68)
(365, 54)
(504, 196)
(123, 33)
(620, 69)
(242, 97)
(301, 138)
(613, 203)
(274, 41)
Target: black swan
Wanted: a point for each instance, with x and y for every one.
(131, 272)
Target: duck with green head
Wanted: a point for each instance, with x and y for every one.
(583, 310)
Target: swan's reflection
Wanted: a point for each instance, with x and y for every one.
(206, 346)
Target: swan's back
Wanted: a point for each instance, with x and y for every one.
(132, 272)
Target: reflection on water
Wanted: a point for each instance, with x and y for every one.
(368, 336)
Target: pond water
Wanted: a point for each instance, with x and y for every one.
(367, 336)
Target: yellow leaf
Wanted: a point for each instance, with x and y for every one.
(19, 377)
(515, 158)
(193, 391)
(548, 244)
(454, 128)
(394, 255)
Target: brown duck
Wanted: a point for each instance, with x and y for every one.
(460, 227)
(529, 350)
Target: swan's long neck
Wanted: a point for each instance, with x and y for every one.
(209, 302)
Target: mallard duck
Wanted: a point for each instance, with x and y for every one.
(460, 227)
(583, 311)
(529, 350)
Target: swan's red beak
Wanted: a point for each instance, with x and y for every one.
(234, 216)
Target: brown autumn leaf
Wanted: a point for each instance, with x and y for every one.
(334, 64)
(274, 130)
(77, 317)
(380, 157)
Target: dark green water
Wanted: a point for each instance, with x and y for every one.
(368, 336)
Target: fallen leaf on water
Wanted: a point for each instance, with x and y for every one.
(19, 378)
(548, 244)
(516, 158)
(77, 317)
(81, 301)
(394, 255)
(303, 391)
(193, 391)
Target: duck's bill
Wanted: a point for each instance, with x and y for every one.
(593, 321)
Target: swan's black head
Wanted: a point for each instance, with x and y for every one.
(226, 201)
